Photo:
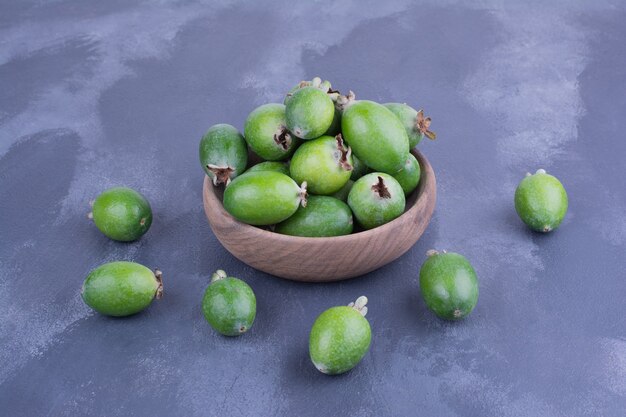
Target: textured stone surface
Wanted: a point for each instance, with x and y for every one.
(95, 94)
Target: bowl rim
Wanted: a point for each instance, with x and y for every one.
(211, 199)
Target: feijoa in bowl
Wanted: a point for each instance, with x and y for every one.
(323, 259)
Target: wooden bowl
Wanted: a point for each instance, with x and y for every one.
(323, 259)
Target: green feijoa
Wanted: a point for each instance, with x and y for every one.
(340, 338)
(541, 201)
(309, 113)
(323, 216)
(375, 134)
(376, 199)
(415, 123)
(223, 153)
(266, 133)
(121, 288)
(324, 163)
(448, 285)
(121, 213)
(358, 168)
(229, 305)
(342, 194)
(409, 176)
(263, 197)
(275, 166)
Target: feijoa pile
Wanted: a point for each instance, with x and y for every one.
(318, 143)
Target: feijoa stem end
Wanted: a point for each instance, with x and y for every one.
(90, 215)
(422, 125)
(343, 102)
(432, 252)
(345, 153)
(303, 194)
(217, 275)
(159, 277)
(541, 171)
(359, 305)
(282, 138)
(221, 174)
(381, 189)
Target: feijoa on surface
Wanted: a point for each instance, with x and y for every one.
(324, 163)
(122, 214)
(310, 112)
(541, 201)
(449, 285)
(263, 197)
(266, 133)
(340, 338)
(275, 166)
(229, 304)
(223, 153)
(415, 123)
(409, 176)
(323, 216)
(121, 288)
(376, 199)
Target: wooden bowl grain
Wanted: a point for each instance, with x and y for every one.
(324, 259)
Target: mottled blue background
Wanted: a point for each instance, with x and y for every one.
(101, 93)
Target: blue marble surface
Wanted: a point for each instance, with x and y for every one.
(95, 94)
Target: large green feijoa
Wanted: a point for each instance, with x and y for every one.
(324, 163)
(263, 197)
(229, 305)
(309, 113)
(409, 176)
(541, 201)
(415, 123)
(325, 86)
(376, 199)
(449, 285)
(340, 338)
(122, 214)
(281, 167)
(223, 153)
(323, 216)
(266, 133)
(375, 134)
(343, 192)
(121, 288)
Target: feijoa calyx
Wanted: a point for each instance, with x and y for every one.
(415, 123)
(340, 338)
(223, 153)
(229, 305)
(263, 197)
(376, 199)
(121, 214)
(121, 288)
(541, 201)
(449, 285)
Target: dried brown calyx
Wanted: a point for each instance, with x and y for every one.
(381, 189)
(422, 125)
(282, 138)
(303, 194)
(221, 175)
(343, 153)
(344, 101)
(158, 275)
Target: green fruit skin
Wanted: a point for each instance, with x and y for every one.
(358, 168)
(281, 167)
(376, 136)
(344, 191)
(122, 214)
(317, 163)
(541, 202)
(339, 339)
(449, 285)
(369, 208)
(229, 305)
(408, 118)
(119, 288)
(223, 145)
(260, 128)
(322, 217)
(309, 113)
(409, 177)
(262, 198)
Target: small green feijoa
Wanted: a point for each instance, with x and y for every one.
(223, 153)
(121, 213)
(229, 305)
(409, 176)
(121, 288)
(323, 216)
(376, 199)
(541, 201)
(340, 338)
(309, 112)
(266, 133)
(448, 284)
